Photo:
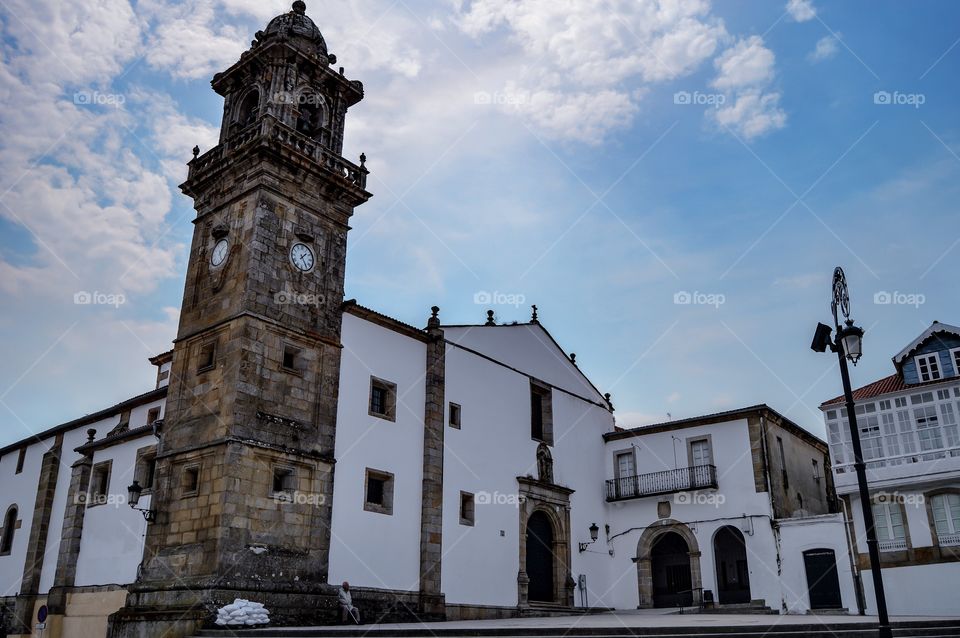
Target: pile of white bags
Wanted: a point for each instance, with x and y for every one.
(242, 612)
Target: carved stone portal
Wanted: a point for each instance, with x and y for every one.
(544, 518)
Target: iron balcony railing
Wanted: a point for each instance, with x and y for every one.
(697, 477)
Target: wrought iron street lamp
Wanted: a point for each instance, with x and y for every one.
(133, 497)
(594, 534)
(848, 344)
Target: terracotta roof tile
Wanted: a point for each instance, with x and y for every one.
(886, 385)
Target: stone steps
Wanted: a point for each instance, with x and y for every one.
(901, 629)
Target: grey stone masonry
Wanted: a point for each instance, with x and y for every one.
(431, 513)
(70, 535)
(30, 585)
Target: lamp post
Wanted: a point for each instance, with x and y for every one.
(133, 498)
(848, 344)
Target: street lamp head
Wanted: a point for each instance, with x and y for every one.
(851, 337)
(594, 532)
(133, 494)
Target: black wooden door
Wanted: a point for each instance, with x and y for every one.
(540, 558)
(670, 563)
(822, 580)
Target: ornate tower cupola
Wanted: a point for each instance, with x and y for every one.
(244, 469)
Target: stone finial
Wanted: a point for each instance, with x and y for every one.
(300, 7)
(609, 402)
(573, 358)
(363, 159)
(434, 320)
(196, 152)
(490, 321)
(533, 316)
(91, 434)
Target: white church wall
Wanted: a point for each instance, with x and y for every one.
(20, 490)
(486, 455)
(111, 547)
(370, 549)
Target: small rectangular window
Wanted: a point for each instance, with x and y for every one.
(152, 415)
(100, 483)
(190, 480)
(816, 471)
(21, 457)
(291, 358)
(150, 474)
(378, 492)
(454, 415)
(700, 453)
(467, 509)
(928, 366)
(207, 356)
(383, 399)
(541, 413)
(146, 467)
(783, 464)
(283, 480)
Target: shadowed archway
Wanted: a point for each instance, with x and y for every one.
(670, 548)
(730, 555)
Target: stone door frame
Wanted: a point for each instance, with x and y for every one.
(554, 501)
(644, 560)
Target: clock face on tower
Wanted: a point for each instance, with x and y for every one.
(219, 254)
(302, 258)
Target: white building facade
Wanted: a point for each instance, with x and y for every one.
(911, 446)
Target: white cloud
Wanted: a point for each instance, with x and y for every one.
(746, 64)
(801, 10)
(610, 49)
(826, 48)
(753, 113)
(744, 73)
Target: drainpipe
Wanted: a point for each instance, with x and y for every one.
(763, 453)
(852, 552)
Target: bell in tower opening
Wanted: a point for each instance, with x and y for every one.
(256, 362)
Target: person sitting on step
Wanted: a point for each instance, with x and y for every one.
(346, 604)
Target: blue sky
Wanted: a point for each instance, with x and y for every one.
(597, 163)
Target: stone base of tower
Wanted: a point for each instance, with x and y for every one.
(178, 613)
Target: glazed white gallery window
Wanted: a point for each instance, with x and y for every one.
(946, 516)
(889, 524)
(928, 366)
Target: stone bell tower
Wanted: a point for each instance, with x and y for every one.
(245, 467)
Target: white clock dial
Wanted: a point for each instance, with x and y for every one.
(220, 251)
(302, 257)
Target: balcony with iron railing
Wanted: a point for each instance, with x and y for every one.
(697, 477)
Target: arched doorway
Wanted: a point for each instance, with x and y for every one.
(670, 562)
(671, 553)
(733, 577)
(540, 567)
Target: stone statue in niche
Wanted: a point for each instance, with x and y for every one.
(544, 463)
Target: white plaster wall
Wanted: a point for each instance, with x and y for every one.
(367, 548)
(815, 532)
(485, 457)
(21, 490)
(111, 547)
(708, 510)
(527, 348)
(921, 590)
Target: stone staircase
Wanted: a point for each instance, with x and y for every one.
(793, 629)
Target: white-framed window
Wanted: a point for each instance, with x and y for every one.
(955, 357)
(625, 465)
(928, 366)
(946, 518)
(700, 452)
(928, 428)
(870, 438)
(889, 525)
